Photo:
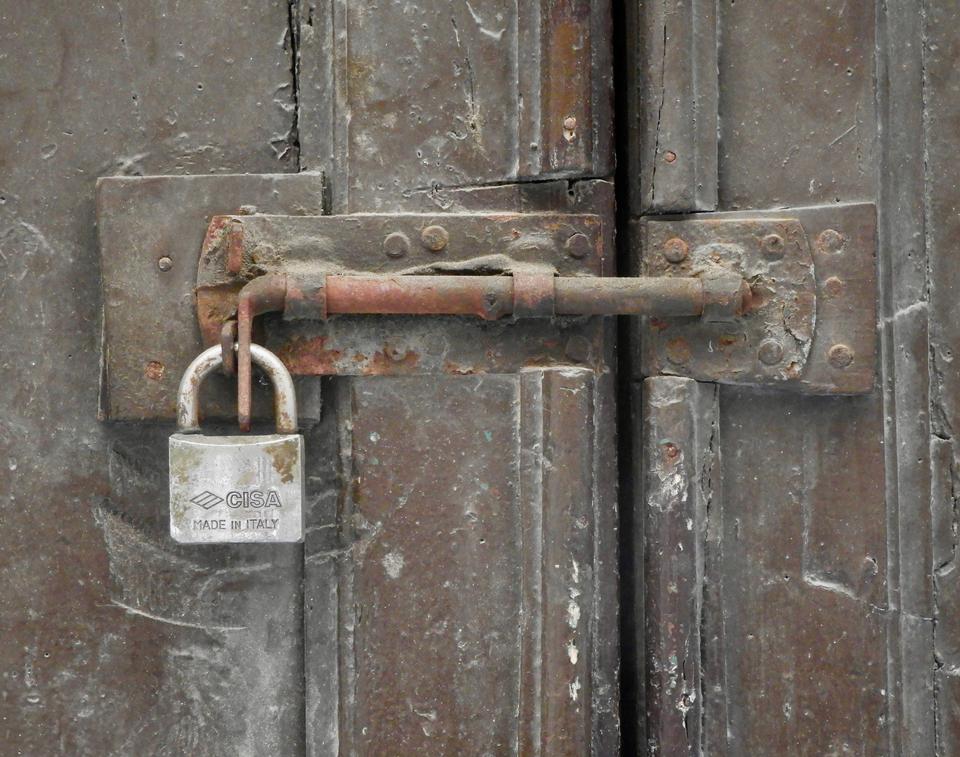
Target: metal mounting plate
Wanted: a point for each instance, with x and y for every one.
(813, 273)
(149, 330)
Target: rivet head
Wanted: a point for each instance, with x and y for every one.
(678, 351)
(830, 241)
(165, 263)
(577, 246)
(578, 349)
(670, 156)
(675, 250)
(834, 286)
(570, 123)
(840, 356)
(435, 238)
(770, 352)
(396, 245)
(773, 246)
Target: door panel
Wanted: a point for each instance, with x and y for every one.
(120, 643)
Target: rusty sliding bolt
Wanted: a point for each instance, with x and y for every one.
(526, 295)
(488, 297)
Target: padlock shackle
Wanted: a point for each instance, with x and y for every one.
(284, 396)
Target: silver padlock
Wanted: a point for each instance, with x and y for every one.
(228, 489)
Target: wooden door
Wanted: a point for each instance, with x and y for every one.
(814, 614)
(777, 574)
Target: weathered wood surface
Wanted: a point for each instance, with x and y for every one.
(471, 98)
(941, 111)
(824, 558)
(401, 98)
(680, 452)
(118, 642)
(671, 106)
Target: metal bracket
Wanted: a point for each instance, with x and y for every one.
(812, 323)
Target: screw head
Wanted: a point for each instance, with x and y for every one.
(435, 238)
(165, 263)
(830, 241)
(773, 246)
(396, 245)
(670, 156)
(770, 352)
(840, 356)
(675, 250)
(577, 246)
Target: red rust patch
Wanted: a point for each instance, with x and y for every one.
(310, 357)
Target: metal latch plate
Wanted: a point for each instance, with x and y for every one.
(812, 325)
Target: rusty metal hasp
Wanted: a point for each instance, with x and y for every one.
(783, 299)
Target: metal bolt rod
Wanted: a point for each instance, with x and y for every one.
(487, 297)
(492, 297)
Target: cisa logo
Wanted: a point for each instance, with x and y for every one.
(257, 500)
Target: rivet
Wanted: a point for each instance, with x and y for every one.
(396, 245)
(678, 351)
(578, 348)
(577, 246)
(154, 370)
(772, 246)
(840, 356)
(675, 250)
(570, 123)
(165, 263)
(833, 286)
(671, 450)
(830, 240)
(435, 238)
(770, 352)
(670, 156)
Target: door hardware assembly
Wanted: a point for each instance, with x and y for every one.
(784, 299)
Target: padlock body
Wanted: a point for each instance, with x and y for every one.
(235, 489)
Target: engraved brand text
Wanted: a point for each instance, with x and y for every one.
(255, 499)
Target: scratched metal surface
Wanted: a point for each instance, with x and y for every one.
(120, 643)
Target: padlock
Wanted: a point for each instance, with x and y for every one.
(228, 489)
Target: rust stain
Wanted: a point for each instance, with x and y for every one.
(284, 458)
(154, 370)
(310, 356)
(460, 370)
(390, 361)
